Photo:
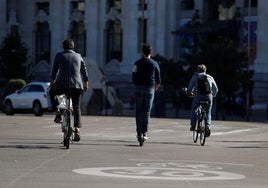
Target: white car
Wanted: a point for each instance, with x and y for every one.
(33, 97)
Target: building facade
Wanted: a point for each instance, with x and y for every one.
(111, 32)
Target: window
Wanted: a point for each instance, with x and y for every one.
(114, 40)
(142, 32)
(43, 6)
(78, 34)
(114, 4)
(143, 5)
(42, 36)
(36, 88)
(187, 4)
(78, 6)
(254, 3)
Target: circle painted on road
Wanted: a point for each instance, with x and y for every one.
(159, 173)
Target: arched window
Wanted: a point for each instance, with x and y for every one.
(78, 34)
(116, 4)
(114, 40)
(42, 38)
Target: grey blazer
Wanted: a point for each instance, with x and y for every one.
(69, 71)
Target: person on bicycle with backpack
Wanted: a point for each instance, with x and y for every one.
(69, 76)
(203, 87)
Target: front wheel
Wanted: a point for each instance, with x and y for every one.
(203, 132)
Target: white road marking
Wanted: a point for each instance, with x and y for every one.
(154, 173)
(184, 171)
(233, 132)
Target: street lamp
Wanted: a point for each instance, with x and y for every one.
(248, 51)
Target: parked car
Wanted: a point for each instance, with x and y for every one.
(33, 97)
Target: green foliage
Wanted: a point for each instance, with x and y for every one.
(13, 55)
(225, 63)
(13, 85)
(171, 72)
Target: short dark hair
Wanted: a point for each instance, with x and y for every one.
(68, 44)
(201, 68)
(147, 49)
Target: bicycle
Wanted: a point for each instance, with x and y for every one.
(201, 127)
(68, 133)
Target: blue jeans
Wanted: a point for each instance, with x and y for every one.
(195, 104)
(144, 97)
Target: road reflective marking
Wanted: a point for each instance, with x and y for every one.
(233, 132)
(155, 173)
(183, 171)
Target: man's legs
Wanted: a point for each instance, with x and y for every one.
(195, 104)
(208, 120)
(148, 103)
(54, 104)
(53, 99)
(76, 99)
(139, 109)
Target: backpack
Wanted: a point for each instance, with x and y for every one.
(203, 86)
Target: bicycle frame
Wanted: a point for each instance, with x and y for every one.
(201, 127)
(66, 123)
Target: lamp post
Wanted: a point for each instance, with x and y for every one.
(248, 51)
(142, 21)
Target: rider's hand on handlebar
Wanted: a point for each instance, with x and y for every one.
(85, 86)
(191, 94)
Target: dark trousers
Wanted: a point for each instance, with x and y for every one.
(75, 95)
(144, 97)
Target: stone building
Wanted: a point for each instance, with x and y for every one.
(109, 33)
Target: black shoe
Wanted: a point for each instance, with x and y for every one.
(57, 118)
(76, 136)
(208, 132)
(52, 109)
(192, 128)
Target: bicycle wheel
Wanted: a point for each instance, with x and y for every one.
(67, 130)
(202, 131)
(195, 132)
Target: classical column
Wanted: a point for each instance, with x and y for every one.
(3, 30)
(261, 62)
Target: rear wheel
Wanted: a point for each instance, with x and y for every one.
(67, 130)
(8, 108)
(37, 108)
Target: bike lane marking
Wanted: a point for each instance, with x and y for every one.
(163, 171)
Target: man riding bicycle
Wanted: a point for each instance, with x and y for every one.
(195, 89)
(69, 76)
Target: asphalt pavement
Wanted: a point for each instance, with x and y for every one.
(108, 155)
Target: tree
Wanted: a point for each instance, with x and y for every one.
(224, 62)
(13, 54)
(227, 65)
